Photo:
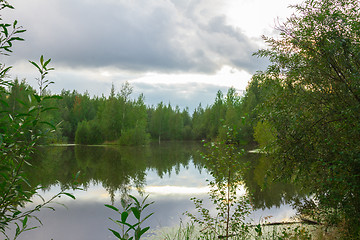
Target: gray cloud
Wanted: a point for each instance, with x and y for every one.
(182, 95)
(143, 35)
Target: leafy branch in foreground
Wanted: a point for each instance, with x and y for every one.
(136, 208)
(20, 132)
(19, 135)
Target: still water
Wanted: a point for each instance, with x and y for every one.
(170, 173)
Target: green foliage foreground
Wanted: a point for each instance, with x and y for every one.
(311, 106)
(128, 230)
(21, 128)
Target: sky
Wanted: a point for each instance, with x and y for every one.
(177, 51)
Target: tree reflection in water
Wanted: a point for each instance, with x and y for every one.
(118, 169)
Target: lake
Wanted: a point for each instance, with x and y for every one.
(170, 173)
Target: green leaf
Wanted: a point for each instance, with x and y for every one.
(25, 221)
(69, 194)
(7, 49)
(112, 207)
(130, 226)
(146, 205)
(47, 62)
(124, 216)
(147, 217)
(16, 39)
(134, 198)
(52, 208)
(5, 31)
(20, 31)
(37, 66)
(144, 230)
(115, 233)
(28, 229)
(9, 6)
(136, 212)
(22, 115)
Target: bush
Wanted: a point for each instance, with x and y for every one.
(135, 136)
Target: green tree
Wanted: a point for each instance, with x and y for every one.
(187, 129)
(157, 122)
(125, 104)
(217, 114)
(176, 124)
(315, 105)
(81, 134)
(222, 160)
(198, 123)
(136, 127)
(75, 108)
(111, 117)
(233, 112)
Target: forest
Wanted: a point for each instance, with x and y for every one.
(118, 119)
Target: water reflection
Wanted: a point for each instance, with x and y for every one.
(171, 173)
(119, 169)
(264, 192)
(115, 168)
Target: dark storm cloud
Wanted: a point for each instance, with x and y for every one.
(142, 35)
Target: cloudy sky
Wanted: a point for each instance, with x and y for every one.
(177, 51)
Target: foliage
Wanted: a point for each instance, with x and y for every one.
(257, 232)
(21, 129)
(75, 108)
(116, 119)
(264, 134)
(94, 120)
(229, 110)
(130, 231)
(19, 136)
(88, 132)
(135, 136)
(183, 232)
(222, 160)
(315, 101)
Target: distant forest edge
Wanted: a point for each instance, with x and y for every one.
(118, 119)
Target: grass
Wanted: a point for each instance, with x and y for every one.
(190, 231)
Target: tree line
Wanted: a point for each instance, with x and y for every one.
(119, 119)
